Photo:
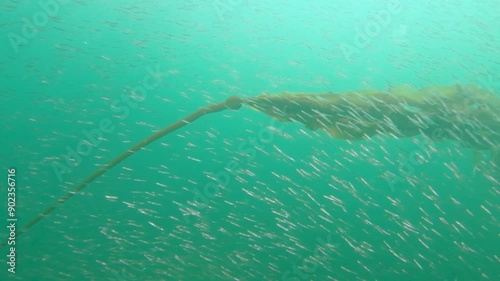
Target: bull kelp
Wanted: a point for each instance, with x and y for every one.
(465, 114)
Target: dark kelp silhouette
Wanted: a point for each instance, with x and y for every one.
(466, 114)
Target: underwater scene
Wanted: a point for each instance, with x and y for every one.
(250, 140)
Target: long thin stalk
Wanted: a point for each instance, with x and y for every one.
(231, 103)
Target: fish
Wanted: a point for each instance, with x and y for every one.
(462, 113)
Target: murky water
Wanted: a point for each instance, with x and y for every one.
(237, 195)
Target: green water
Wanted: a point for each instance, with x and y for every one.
(236, 196)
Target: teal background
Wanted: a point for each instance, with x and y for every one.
(271, 219)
